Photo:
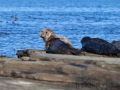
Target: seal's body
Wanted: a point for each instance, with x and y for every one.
(116, 43)
(98, 46)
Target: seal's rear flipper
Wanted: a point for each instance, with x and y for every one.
(75, 51)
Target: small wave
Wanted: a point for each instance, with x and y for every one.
(63, 9)
(3, 34)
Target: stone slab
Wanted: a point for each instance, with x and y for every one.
(92, 71)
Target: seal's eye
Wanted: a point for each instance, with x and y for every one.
(46, 32)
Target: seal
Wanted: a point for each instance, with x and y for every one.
(58, 45)
(116, 43)
(47, 33)
(99, 46)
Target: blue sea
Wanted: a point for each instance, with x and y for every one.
(21, 21)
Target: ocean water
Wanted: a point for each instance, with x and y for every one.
(73, 19)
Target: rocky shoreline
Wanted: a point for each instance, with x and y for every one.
(91, 72)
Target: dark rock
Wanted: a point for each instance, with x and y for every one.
(2, 56)
(27, 52)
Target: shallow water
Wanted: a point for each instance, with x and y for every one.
(73, 19)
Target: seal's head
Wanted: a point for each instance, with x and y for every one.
(46, 34)
(114, 41)
(85, 39)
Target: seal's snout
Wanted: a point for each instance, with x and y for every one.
(41, 34)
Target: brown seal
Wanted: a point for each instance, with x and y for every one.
(99, 46)
(47, 33)
(57, 44)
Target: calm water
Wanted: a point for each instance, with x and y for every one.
(73, 19)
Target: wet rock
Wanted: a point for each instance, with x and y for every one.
(2, 56)
(90, 71)
(31, 52)
(27, 52)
